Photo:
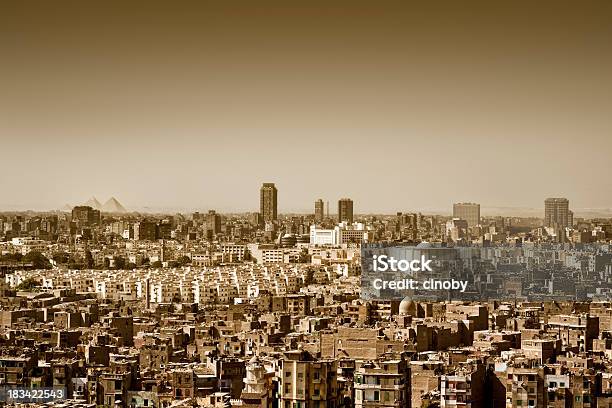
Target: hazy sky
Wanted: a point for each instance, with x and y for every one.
(396, 105)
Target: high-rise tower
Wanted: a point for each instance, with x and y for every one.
(557, 213)
(345, 210)
(469, 212)
(319, 211)
(268, 205)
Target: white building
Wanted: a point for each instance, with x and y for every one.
(343, 233)
(321, 236)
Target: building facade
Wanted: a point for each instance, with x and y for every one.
(268, 204)
(319, 211)
(345, 210)
(469, 212)
(557, 213)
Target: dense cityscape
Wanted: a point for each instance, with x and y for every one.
(305, 204)
(120, 309)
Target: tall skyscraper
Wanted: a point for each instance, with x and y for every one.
(213, 222)
(319, 212)
(345, 210)
(268, 205)
(557, 213)
(469, 212)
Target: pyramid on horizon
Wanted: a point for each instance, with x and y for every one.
(67, 208)
(113, 206)
(93, 203)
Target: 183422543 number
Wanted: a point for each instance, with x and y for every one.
(21, 394)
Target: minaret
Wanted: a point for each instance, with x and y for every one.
(148, 293)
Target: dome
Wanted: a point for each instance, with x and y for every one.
(407, 306)
(424, 245)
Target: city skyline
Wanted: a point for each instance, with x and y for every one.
(488, 211)
(195, 105)
(275, 204)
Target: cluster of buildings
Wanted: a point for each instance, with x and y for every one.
(311, 343)
(266, 310)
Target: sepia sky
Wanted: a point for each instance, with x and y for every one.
(400, 106)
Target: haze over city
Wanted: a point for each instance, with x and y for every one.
(406, 107)
(274, 204)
